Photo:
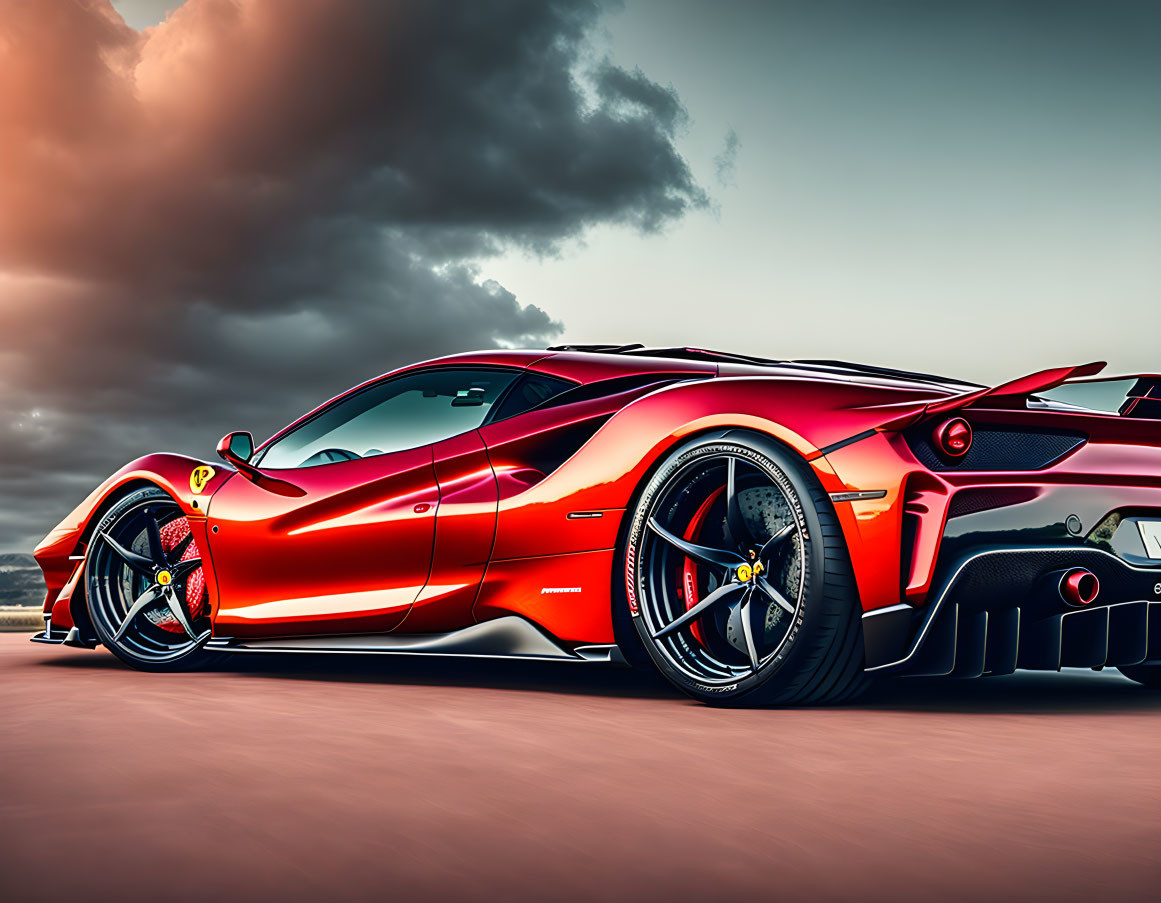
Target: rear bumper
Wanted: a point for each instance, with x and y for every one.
(990, 618)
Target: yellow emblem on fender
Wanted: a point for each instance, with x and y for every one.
(199, 478)
(745, 572)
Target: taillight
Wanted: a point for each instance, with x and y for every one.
(953, 438)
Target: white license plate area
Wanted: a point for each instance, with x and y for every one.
(1151, 536)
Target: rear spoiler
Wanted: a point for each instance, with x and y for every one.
(1025, 385)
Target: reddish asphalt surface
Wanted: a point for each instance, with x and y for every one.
(308, 778)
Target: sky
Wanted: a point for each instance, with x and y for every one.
(969, 188)
(216, 214)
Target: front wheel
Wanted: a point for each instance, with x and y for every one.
(145, 587)
(737, 578)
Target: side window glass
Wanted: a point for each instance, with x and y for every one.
(405, 412)
(616, 386)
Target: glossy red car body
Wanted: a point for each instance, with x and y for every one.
(431, 540)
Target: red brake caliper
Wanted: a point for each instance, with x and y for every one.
(195, 586)
(689, 570)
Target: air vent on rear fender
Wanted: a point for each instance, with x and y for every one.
(997, 448)
(972, 501)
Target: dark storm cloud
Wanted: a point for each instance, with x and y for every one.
(229, 217)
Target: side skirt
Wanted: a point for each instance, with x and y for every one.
(508, 637)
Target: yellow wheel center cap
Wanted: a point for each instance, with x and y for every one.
(745, 572)
(164, 578)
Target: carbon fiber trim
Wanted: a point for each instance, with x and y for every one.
(507, 637)
(973, 500)
(997, 448)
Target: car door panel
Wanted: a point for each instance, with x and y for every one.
(464, 530)
(348, 556)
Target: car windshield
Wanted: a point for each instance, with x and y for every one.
(405, 412)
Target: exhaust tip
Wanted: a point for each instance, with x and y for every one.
(1079, 586)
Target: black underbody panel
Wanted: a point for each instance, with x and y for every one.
(999, 611)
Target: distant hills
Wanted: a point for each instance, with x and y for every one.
(21, 582)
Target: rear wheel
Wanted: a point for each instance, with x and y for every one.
(738, 581)
(145, 587)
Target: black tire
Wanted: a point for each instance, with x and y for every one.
(803, 650)
(1146, 675)
(128, 566)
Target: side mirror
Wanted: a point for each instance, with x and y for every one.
(469, 398)
(236, 448)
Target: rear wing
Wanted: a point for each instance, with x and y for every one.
(1024, 386)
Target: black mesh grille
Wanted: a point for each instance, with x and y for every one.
(998, 448)
(971, 501)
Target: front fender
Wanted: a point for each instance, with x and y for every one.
(62, 553)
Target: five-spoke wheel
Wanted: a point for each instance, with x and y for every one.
(144, 583)
(731, 555)
(739, 554)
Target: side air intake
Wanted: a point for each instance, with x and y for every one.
(997, 448)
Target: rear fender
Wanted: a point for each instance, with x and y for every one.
(602, 475)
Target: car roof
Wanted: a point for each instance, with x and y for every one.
(588, 363)
(592, 363)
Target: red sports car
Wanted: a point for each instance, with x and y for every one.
(760, 531)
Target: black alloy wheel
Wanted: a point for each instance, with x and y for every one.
(738, 580)
(144, 585)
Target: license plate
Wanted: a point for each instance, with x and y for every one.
(1151, 535)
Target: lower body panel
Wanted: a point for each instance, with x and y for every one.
(504, 637)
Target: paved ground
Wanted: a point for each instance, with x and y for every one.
(314, 779)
